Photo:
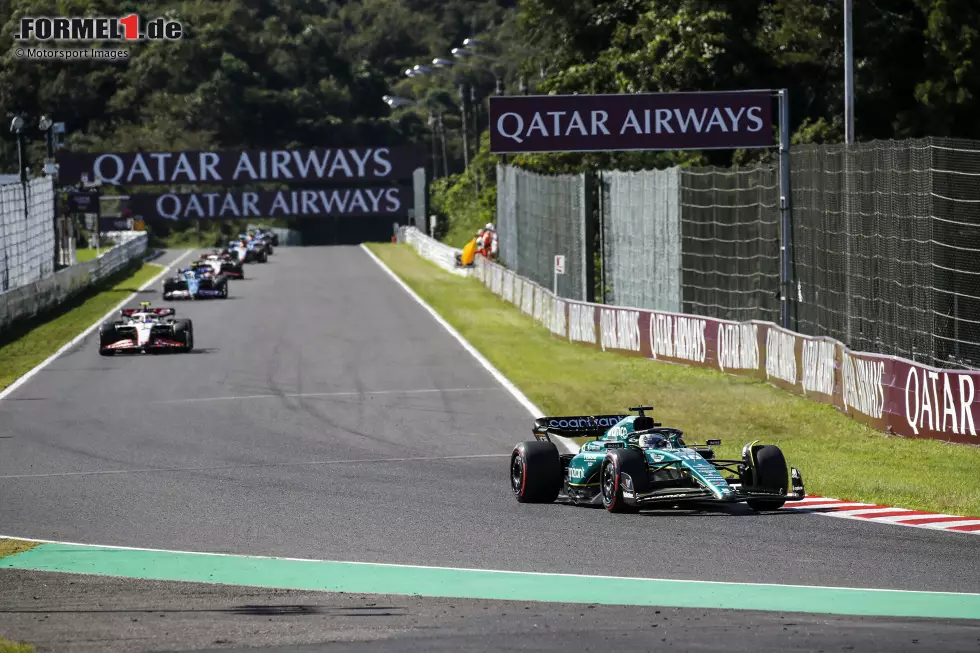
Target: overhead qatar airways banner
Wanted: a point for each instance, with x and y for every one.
(647, 121)
(241, 167)
(393, 201)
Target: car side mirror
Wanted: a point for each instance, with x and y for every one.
(713, 443)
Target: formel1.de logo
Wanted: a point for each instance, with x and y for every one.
(98, 28)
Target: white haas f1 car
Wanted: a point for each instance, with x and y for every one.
(146, 330)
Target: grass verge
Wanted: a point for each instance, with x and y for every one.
(6, 646)
(26, 344)
(12, 547)
(87, 254)
(837, 456)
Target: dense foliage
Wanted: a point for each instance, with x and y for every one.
(312, 72)
(253, 73)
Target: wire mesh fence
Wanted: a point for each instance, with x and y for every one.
(540, 217)
(641, 239)
(27, 237)
(885, 242)
(730, 242)
(954, 174)
(887, 238)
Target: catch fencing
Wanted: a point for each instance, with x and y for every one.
(27, 238)
(885, 242)
(730, 242)
(887, 247)
(38, 296)
(543, 216)
(641, 243)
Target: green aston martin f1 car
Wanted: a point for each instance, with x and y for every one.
(628, 462)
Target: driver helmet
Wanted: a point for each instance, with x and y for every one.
(652, 441)
(490, 227)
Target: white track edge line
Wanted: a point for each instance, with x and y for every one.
(487, 365)
(490, 571)
(27, 376)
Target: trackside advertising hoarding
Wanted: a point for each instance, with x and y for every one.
(642, 121)
(392, 201)
(890, 394)
(241, 167)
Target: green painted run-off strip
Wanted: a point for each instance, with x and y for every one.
(365, 578)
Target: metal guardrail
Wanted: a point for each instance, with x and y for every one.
(432, 250)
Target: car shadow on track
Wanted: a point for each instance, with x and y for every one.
(268, 610)
(196, 350)
(701, 511)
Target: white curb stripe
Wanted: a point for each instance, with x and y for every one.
(865, 512)
(948, 524)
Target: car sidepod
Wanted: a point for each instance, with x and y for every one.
(582, 473)
(674, 464)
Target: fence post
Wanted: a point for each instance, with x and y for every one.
(589, 206)
(601, 239)
(785, 209)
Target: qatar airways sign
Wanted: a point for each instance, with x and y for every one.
(241, 167)
(392, 201)
(649, 121)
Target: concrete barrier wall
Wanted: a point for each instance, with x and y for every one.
(891, 394)
(29, 300)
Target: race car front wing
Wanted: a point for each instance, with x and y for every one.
(701, 494)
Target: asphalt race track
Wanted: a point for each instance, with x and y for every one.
(326, 415)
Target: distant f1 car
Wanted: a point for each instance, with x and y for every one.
(629, 462)
(146, 329)
(237, 250)
(262, 249)
(199, 281)
(247, 251)
(224, 264)
(269, 238)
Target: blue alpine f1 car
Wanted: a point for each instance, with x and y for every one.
(199, 281)
(628, 462)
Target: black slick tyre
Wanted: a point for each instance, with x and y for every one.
(770, 474)
(618, 462)
(107, 336)
(184, 332)
(535, 472)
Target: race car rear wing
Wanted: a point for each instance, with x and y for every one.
(576, 426)
(127, 312)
